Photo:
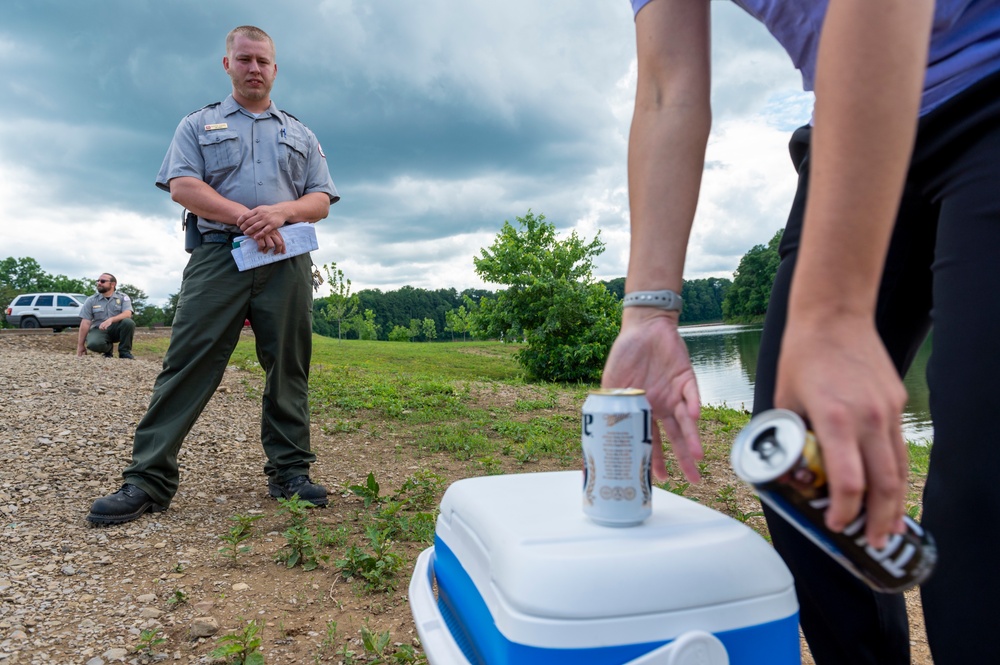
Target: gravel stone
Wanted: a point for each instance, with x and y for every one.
(204, 627)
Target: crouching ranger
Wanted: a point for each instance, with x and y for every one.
(106, 320)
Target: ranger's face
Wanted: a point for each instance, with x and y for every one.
(251, 66)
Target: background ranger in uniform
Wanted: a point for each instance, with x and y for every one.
(106, 320)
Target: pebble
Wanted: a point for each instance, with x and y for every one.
(116, 654)
(204, 627)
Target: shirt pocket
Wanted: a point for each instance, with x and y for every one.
(294, 153)
(221, 150)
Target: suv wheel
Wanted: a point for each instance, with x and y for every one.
(30, 322)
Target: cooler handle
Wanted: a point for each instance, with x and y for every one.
(694, 647)
(439, 646)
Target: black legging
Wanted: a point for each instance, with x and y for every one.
(942, 268)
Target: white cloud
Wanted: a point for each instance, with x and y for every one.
(441, 120)
(82, 242)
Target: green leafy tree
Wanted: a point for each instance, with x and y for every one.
(25, 275)
(428, 329)
(365, 326)
(747, 298)
(416, 329)
(616, 287)
(457, 321)
(703, 299)
(340, 304)
(567, 321)
(142, 314)
(400, 334)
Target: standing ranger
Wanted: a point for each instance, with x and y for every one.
(244, 168)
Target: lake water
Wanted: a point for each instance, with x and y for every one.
(724, 358)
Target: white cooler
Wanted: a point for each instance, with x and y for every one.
(519, 576)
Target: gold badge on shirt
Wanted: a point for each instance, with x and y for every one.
(221, 125)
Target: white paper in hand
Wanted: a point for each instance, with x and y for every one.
(299, 239)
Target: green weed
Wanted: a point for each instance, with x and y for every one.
(375, 644)
(325, 537)
(300, 549)
(727, 497)
(237, 535)
(421, 490)
(241, 647)
(178, 598)
(920, 457)
(490, 465)
(149, 639)
(295, 508)
(379, 652)
(330, 637)
(369, 491)
(677, 488)
(549, 402)
(378, 567)
(397, 524)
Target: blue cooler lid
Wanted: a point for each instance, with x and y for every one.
(552, 578)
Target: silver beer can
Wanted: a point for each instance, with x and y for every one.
(617, 446)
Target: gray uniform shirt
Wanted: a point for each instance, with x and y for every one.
(97, 308)
(255, 161)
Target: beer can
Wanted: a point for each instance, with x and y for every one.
(617, 447)
(781, 458)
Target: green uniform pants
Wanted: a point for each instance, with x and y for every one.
(214, 302)
(103, 341)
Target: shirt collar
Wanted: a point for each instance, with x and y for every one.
(231, 106)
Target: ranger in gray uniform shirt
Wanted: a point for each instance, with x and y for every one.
(244, 168)
(106, 319)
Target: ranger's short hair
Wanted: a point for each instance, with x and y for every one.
(250, 32)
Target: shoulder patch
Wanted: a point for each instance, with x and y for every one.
(206, 106)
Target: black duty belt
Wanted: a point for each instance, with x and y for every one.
(218, 237)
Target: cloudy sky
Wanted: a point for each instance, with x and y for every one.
(439, 119)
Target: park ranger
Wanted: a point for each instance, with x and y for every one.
(106, 320)
(244, 168)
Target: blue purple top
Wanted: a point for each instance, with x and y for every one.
(964, 48)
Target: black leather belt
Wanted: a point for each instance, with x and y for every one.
(218, 237)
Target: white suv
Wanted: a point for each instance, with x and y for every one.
(46, 310)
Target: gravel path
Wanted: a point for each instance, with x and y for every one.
(70, 593)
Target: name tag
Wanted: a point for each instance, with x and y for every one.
(221, 125)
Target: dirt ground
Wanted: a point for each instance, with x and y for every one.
(71, 593)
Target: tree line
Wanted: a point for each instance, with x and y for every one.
(551, 303)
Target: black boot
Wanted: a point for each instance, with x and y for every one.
(301, 485)
(125, 505)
